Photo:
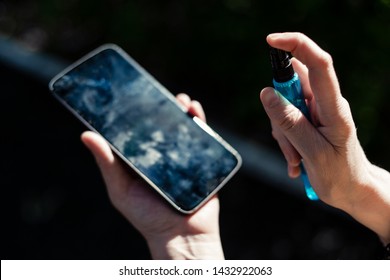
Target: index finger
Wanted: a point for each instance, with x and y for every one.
(322, 77)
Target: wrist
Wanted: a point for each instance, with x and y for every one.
(371, 202)
(185, 247)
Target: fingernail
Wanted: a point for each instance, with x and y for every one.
(270, 97)
(274, 36)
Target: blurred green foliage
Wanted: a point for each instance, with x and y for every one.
(215, 50)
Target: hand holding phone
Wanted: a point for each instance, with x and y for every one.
(159, 223)
(182, 158)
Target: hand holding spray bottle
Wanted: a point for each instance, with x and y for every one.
(286, 81)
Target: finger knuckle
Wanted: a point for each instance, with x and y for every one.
(325, 59)
(346, 123)
(289, 120)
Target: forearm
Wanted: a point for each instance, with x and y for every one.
(201, 246)
(373, 209)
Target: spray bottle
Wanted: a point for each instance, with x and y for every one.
(287, 82)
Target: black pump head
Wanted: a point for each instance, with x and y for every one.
(282, 69)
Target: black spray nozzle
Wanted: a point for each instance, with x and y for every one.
(281, 65)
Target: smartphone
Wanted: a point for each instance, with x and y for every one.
(178, 154)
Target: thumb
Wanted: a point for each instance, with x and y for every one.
(281, 112)
(99, 148)
(114, 174)
(291, 122)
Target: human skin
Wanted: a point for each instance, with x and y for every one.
(169, 234)
(337, 166)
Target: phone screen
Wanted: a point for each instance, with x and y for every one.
(177, 154)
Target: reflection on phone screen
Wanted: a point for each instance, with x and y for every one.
(145, 126)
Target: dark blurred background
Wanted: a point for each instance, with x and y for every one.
(54, 203)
